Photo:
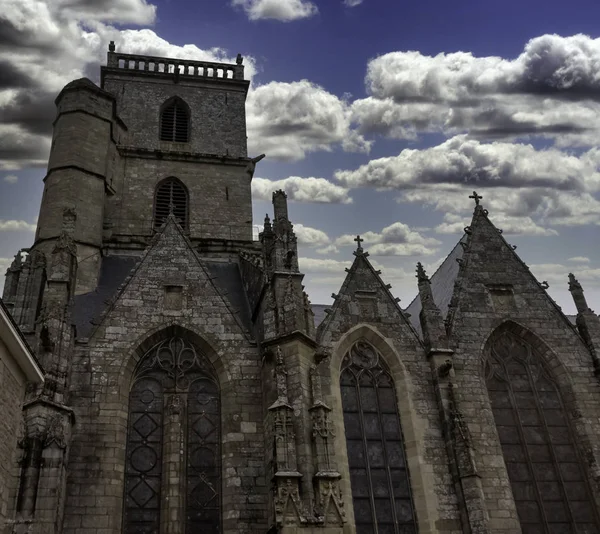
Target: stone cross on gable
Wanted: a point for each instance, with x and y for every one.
(476, 197)
(358, 243)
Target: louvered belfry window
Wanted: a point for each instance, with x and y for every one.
(379, 477)
(170, 194)
(174, 122)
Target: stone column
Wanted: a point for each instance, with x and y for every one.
(174, 468)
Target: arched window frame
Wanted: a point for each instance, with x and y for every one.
(161, 211)
(521, 466)
(362, 360)
(181, 112)
(177, 369)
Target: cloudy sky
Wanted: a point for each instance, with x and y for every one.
(378, 117)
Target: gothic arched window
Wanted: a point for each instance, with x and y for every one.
(379, 477)
(173, 461)
(547, 477)
(170, 194)
(175, 121)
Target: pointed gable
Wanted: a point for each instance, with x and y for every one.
(170, 262)
(492, 279)
(363, 297)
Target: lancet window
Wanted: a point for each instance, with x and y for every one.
(173, 407)
(175, 122)
(547, 476)
(379, 477)
(171, 195)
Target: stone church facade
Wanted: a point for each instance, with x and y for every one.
(191, 387)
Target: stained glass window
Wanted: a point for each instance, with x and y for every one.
(173, 376)
(547, 477)
(379, 475)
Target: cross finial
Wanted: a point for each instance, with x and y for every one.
(359, 240)
(476, 197)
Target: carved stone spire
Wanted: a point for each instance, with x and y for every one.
(577, 294)
(432, 321)
(588, 323)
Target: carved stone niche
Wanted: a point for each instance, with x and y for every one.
(502, 297)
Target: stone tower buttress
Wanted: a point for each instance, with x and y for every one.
(78, 174)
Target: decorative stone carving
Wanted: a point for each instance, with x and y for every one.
(329, 505)
(289, 509)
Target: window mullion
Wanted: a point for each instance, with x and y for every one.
(538, 494)
(540, 411)
(366, 452)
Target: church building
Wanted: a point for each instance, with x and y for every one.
(190, 386)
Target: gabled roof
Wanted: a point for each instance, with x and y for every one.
(17, 346)
(361, 260)
(442, 285)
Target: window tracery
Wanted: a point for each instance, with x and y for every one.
(174, 389)
(379, 476)
(547, 477)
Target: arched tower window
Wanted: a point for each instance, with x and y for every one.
(379, 477)
(170, 194)
(173, 458)
(175, 121)
(547, 477)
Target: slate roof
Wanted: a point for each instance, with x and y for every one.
(319, 311)
(442, 286)
(89, 306)
(228, 279)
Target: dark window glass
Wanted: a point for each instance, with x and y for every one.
(173, 374)
(537, 442)
(174, 122)
(378, 472)
(170, 195)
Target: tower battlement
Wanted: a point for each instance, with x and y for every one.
(161, 66)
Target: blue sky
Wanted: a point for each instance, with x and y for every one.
(392, 112)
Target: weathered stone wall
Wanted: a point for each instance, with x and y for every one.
(217, 122)
(489, 264)
(103, 370)
(12, 393)
(220, 204)
(365, 309)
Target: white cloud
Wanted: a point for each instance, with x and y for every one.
(281, 10)
(121, 11)
(320, 265)
(300, 189)
(13, 225)
(310, 236)
(461, 160)
(329, 249)
(579, 259)
(397, 239)
(352, 3)
(455, 224)
(288, 120)
(549, 90)
(11, 178)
